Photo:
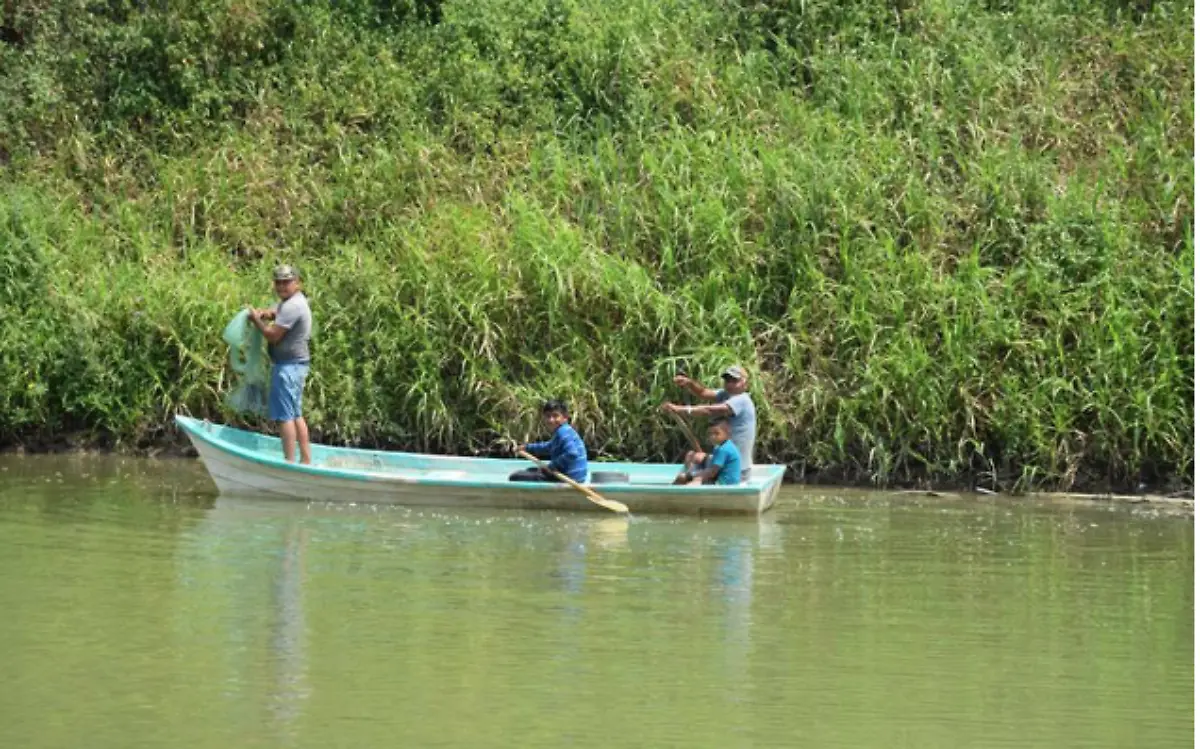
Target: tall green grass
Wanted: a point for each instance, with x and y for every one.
(951, 240)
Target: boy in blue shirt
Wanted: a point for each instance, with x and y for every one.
(567, 453)
(723, 466)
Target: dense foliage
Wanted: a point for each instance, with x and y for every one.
(951, 239)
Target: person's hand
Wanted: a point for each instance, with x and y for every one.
(255, 315)
(670, 408)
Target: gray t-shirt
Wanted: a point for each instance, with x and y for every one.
(294, 316)
(743, 425)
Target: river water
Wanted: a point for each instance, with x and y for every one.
(139, 609)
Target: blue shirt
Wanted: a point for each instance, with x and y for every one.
(726, 457)
(567, 453)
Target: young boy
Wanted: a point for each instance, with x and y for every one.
(567, 453)
(723, 466)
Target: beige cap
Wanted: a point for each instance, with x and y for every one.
(734, 372)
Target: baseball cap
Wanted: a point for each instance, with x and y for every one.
(285, 273)
(734, 372)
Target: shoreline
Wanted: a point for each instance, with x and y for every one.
(1161, 495)
(1183, 498)
(934, 280)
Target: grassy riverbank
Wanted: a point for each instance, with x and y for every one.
(952, 240)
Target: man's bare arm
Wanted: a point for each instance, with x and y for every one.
(695, 388)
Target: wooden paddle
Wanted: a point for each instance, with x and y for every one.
(688, 431)
(608, 504)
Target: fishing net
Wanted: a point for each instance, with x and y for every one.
(248, 359)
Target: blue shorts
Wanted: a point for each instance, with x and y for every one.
(287, 389)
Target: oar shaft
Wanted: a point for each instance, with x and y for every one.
(688, 432)
(591, 494)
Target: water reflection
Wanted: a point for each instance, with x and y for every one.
(456, 624)
(609, 533)
(585, 537)
(437, 558)
(289, 640)
(241, 549)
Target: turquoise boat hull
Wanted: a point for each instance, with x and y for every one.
(248, 463)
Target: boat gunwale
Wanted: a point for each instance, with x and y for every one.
(195, 428)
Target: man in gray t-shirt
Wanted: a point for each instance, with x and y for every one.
(287, 327)
(293, 315)
(733, 403)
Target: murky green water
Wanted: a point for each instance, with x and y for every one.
(137, 609)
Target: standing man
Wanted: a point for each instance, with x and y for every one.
(733, 403)
(287, 327)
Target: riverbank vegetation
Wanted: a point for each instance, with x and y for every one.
(951, 239)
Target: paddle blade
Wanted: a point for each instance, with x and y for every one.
(611, 504)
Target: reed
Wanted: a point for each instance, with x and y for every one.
(951, 240)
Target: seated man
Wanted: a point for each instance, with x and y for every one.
(565, 448)
(723, 466)
(733, 403)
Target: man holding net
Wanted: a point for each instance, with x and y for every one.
(287, 326)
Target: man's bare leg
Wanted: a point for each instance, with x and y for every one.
(302, 436)
(287, 435)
